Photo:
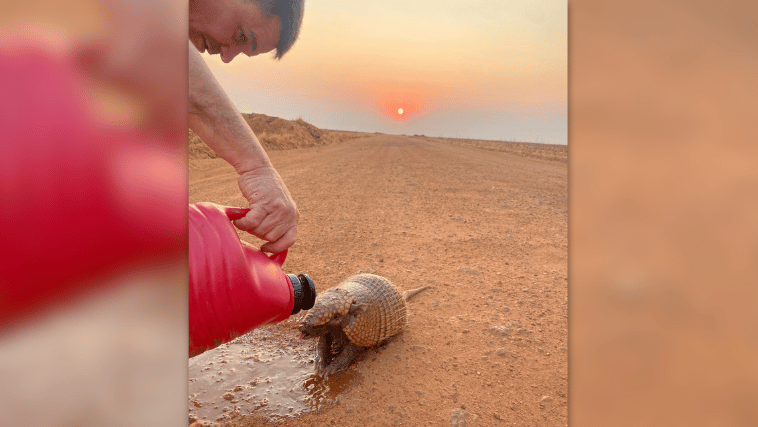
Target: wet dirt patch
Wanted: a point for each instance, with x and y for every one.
(268, 371)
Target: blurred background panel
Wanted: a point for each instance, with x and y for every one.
(663, 207)
(75, 20)
(93, 329)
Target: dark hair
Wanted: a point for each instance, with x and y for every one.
(290, 13)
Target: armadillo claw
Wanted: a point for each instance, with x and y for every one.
(327, 371)
(320, 366)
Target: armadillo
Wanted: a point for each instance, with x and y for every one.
(363, 311)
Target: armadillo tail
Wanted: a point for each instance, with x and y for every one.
(410, 293)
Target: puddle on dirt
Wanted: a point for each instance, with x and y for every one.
(268, 370)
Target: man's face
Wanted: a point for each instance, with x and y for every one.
(230, 27)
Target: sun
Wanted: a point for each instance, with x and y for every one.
(402, 110)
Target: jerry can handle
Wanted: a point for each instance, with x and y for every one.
(237, 213)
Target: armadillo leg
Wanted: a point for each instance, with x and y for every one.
(323, 353)
(343, 360)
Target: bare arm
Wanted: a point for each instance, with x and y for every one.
(213, 117)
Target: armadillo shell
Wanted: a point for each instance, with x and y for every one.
(386, 312)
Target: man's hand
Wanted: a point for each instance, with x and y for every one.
(273, 215)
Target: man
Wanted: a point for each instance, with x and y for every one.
(228, 28)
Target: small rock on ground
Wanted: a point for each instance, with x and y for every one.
(458, 418)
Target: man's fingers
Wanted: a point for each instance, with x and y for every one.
(271, 228)
(267, 227)
(251, 221)
(287, 240)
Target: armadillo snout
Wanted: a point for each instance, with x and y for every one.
(307, 327)
(310, 330)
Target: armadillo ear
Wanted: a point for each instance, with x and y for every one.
(356, 308)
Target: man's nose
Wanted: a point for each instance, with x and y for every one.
(228, 53)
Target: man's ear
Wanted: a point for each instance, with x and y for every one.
(356, 308)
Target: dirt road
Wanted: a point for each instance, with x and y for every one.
(487, 230)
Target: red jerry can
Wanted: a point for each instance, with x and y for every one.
(233, 286)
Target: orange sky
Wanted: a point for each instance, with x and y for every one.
(476, 69)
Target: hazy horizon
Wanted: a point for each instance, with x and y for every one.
(456, 69)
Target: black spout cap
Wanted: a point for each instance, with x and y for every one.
(304, 291)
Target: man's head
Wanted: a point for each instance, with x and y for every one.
(252, 27)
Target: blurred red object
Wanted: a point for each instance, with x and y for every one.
(80, 200)
(233, 287)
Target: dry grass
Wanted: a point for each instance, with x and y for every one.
(275, 133)
(197, 148)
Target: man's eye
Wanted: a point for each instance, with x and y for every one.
(241, 37)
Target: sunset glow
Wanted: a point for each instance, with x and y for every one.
(427, 67)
